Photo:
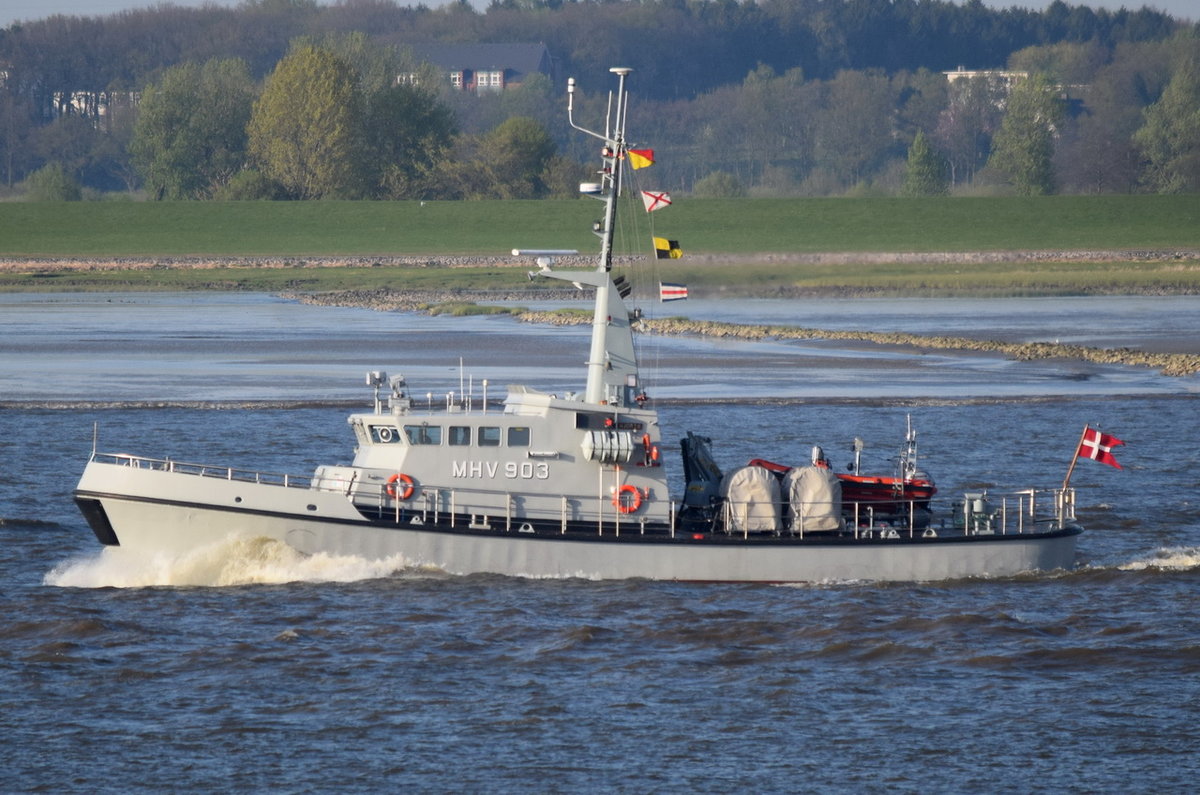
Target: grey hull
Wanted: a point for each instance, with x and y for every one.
(172, 513)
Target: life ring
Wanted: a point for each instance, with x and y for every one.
(634, 502)
(406, 492)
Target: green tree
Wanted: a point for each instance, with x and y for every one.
(967, 125)
(190, 136)
(1023, 147)
(563, 176)
(515, 156)
(16, 126)
(854, 130)
(927, 173)
(68, 141)
(407, 132)
(1169, 139)
(405, 126)
(306, 129)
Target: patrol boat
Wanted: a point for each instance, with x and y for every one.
(572, 486)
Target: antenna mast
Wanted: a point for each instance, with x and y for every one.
(612, 371)
(612, 156)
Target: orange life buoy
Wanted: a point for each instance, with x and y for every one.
(406, 492)
(634, 502)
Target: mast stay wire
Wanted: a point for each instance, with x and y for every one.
(637, 233)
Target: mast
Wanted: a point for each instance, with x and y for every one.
(613, 155)
(612, 372)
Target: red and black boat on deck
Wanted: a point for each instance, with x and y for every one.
(906, 493)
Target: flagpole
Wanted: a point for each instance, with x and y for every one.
(1075, 458)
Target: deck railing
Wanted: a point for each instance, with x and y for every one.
(205, 470)
(979, 513)
(973, 513)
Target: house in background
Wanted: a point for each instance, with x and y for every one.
(1000, 83)
(481, 68)
(1003, 77)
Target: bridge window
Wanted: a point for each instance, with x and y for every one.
(423, 434)
(459, 435)
(518, 437)
(489, 436)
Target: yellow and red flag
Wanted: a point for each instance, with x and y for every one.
(640, 158)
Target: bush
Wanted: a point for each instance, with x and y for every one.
(52, 183)
(249, 185)
(720, 185)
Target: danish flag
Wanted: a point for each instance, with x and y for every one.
(1098, 447)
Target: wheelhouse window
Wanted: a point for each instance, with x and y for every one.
(459, 435)
(489, 436)
(423, 434)
(518, 437)
(384, 434)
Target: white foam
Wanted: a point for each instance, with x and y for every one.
(1170, 558)
(233, 561)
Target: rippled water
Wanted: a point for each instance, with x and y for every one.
(249, 667)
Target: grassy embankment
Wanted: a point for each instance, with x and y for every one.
(766, 246)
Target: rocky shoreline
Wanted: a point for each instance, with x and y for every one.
(1171, 364)
(1183, 256)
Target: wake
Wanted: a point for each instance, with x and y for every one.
(230, 562)
(1166, 559)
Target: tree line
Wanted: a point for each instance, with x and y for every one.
(288, 99)
(1074, 118)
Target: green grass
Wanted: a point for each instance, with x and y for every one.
(468, 309)
(950, 224)
(719, 226)
(288, 229)
(366, 233)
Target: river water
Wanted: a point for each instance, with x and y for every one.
(258, 669)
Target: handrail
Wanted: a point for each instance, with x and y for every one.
(982, 513)
(205, 470)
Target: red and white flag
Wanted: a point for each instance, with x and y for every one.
(672, 292)
(1098, 447)
(655, 199)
